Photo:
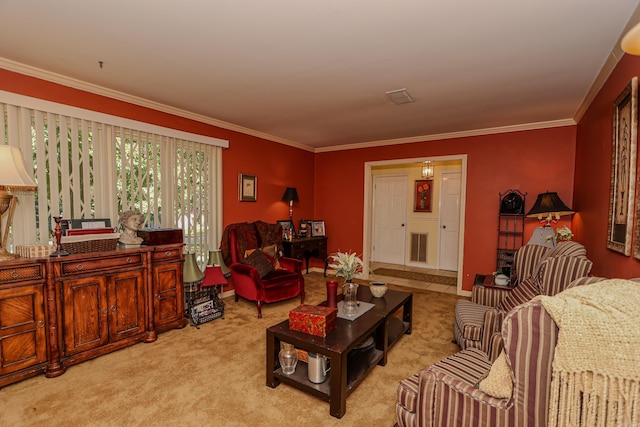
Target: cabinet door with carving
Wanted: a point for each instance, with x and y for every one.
(126, 305)
(22, 328)
(85, 313)
(168, 299)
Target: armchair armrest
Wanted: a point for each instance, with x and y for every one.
(292, 264)
(489, 295)
(455, 377)
(245, 270)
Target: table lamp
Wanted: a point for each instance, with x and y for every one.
(215, 258)
(549, 208)
(191, 273)
(14, 179)
(290, 195)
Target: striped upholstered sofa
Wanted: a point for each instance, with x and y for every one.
(449, 392)
(539, 271)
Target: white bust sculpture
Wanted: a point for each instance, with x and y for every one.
(130, 223)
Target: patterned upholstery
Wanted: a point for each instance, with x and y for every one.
(525, 291)
(446, 393)
(552, 268)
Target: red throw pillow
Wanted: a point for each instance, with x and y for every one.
(525, 291)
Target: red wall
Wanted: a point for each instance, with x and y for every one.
(330, 185)
(530, 161)
(593, 176)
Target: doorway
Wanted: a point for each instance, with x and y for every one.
(369, 209)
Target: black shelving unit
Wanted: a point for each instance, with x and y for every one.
(510, 229)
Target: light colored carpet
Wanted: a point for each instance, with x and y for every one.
(215, 376)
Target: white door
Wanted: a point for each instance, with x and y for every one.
(449, 220)
(389, 218)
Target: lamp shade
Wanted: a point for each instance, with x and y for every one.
(290, 195)
(549, 204)
(630, 43)
(13, 174)
(215, 258)
(191, 273)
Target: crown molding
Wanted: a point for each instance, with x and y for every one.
(121, 96)
(451, 135)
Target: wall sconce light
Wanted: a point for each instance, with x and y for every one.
(427, 170)
(290, 195)
(549, 208)
(14, 179)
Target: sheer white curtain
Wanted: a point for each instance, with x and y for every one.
(91, 165)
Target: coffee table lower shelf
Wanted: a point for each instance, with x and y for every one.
(355, 374)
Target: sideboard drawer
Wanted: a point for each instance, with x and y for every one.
(21, 273)
(98, 264)
(167, 254)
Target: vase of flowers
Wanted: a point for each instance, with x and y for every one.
(348, 265)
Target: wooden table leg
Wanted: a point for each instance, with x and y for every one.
(272, 347)
(338, 391)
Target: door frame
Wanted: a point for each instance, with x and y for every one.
(368, 206)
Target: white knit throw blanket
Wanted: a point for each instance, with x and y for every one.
(596, 366)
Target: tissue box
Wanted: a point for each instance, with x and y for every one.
(312, 319)
(35, 251)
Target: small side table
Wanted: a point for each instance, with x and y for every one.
(307, 247)
(203, 303)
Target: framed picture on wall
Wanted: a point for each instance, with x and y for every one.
(423, 195)
(623, 169)
(248, 188)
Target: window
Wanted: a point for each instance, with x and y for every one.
(91, 165)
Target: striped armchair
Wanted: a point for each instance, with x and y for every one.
(540, 271)
(447, 393)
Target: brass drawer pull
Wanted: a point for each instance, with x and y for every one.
(14, 274)
(167, 253)
(129, 260)
(79, 267)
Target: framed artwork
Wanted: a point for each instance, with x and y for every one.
(423, 196)
(623, 169)
(288, 229)
(317, 228)
(248, 188)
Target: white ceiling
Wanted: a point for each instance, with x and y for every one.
(314, 74)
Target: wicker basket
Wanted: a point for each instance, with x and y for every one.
(81, 246)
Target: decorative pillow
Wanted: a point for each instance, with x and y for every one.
(498, 382)
(260, 262)
(525, 291)
(272, 255)
(272, 252)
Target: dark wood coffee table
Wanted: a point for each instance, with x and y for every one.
(383, 322)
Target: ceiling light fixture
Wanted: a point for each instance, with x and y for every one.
(400, 96)
(631, 41)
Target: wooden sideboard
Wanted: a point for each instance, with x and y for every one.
(57, 312)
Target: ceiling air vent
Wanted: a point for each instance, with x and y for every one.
(400, 96)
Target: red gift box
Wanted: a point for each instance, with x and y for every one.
(313, 319)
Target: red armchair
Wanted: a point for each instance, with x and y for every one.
(259, 283)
